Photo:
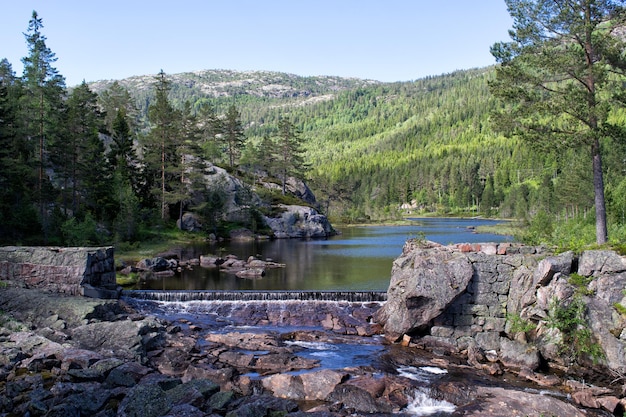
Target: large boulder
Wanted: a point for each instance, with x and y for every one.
(299, 222)
(502, 402)
(125, 339)
(305, 387)
(300, 190)
(236, 198)
(425, 280)
(190, 222)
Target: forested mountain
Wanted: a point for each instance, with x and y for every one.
(113, 159)
(373, 146)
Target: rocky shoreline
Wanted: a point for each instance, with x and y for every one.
(73, 356)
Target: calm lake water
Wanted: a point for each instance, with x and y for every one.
(358, 259)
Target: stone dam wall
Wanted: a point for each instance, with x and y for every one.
(493, 294)
(498, 303)
(73, 271)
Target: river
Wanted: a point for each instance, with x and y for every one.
(358, 259)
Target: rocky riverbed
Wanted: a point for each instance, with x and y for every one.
(72, 356)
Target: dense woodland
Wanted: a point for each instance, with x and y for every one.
(108, 159)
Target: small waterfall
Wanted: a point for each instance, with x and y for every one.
(249, 295)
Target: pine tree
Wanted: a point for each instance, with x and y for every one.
(160, 145)
(42, 102)
(126, 186)
(559, 76)
(488, 197)
(289, 152)
(211, 127)
(233, 137)
(115, 99)
(17, 217)
(190, 164)
(122, 155)
(74, 155)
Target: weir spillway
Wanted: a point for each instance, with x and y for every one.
(251, 295)
(344, 312)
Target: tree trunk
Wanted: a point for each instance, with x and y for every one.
(598, 188)
(162, 178)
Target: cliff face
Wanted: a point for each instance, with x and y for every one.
(510, 305)
(290, 221)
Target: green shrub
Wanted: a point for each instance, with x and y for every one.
(127, 280)
(581, 283)
(539, 230)
(80, 233)
(577, 338)
(519, 325)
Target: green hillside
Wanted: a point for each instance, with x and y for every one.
(373, 146)
(125, 157)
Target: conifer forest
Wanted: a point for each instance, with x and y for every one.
(107, 161)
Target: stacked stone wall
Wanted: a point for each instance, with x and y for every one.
(480, 313)
(496, 289)
(74, 271)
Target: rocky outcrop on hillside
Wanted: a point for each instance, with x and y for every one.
(225, 83)
(511, 307)
(299, 222)
(291, 221)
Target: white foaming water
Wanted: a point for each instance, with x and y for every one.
(312, 345)
(421, 374)
(423, 405)
(434, 370)
(319, 349)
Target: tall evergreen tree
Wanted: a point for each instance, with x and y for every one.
(190, 164)
(290, 159)
(122, 155)
(74, 155)
(160, 145)
(115, 99)
(97, 181)
(43, 100)
(17, 218)
(233, 136)
(211, 127)
(123, 160)
(559, 76)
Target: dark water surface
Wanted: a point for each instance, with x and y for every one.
(359, 259)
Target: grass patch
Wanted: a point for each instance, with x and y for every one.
(10, 323)
(507, 228)
(155, 242)
(620, 309)
(129, 280)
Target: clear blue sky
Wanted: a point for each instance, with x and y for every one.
(385, 40)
